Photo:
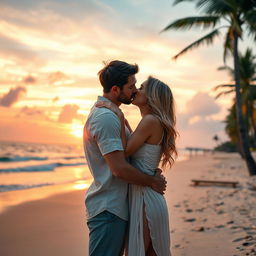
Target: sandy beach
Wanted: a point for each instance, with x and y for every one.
(204, 220)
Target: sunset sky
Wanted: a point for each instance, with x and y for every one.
(51, 51)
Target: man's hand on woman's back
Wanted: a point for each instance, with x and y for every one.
(159, 184)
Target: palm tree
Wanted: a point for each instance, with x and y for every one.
(231, 128)
(216, 138)
(237, 15)
(231, 125)
(248, 89)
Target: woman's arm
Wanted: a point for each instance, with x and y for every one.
(128, 125)
(123, 134)
(141, 134)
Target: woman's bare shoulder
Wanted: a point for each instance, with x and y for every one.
(149, 123)
(150, 119)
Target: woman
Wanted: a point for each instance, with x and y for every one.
(152, 141)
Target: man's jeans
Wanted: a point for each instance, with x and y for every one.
(107, 235)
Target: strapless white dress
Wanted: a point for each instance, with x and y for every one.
(147, 159)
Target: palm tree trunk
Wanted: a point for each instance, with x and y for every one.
(252, 124)
(244, 140)
(253, 121)
(254, 132)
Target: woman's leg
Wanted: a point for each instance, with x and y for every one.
(146, 232)
(149, 251)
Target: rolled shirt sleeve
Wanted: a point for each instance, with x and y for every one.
(107, 133)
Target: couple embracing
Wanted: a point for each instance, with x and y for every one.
(125, 206)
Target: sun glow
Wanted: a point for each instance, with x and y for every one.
(77, 130)
(82, 184)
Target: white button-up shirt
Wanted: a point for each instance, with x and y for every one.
(102, 136)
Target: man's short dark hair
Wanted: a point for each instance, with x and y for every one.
(116, 73)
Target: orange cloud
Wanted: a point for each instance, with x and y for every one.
(56, 77)
(202, 104)
(55, 99)
(14, 95)
(68, 113)
(40, 38)
(33, 112)
(29, 79)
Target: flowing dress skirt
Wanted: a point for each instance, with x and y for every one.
(156, 212)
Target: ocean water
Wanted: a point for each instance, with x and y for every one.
(30, 165)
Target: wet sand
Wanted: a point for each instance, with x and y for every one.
(204, 220)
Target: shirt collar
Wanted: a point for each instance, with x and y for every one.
(101, 98)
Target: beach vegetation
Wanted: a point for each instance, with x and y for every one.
(227, 147)
(248, 97)
(237, 18)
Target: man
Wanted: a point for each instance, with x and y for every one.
(106, 199)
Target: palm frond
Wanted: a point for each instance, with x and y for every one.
(228, 69)
(224, 93)
(251, 33)
(250, 16)
(208, 39)
(251, 28)
(198, 21)
(179, 1)
(249, 55)
(252, 92)
(221, 7)
(227, 45)
(247, 66)
(225, 68)
(250, 19)
(248, 5)
(249, 94)
(222, 86)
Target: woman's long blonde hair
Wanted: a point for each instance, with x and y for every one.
(160, 100)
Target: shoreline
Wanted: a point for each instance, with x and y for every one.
(204, 220)
(14, 198)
